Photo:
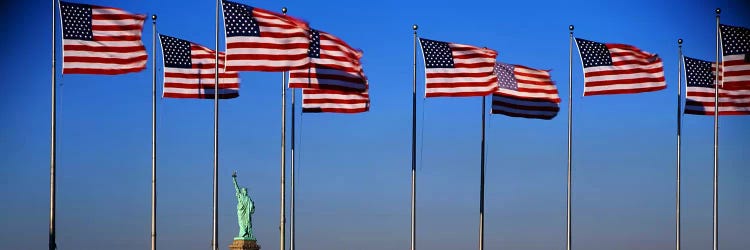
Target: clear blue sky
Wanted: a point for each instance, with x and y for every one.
(354, 170)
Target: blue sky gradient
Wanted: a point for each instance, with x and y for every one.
(353, 171)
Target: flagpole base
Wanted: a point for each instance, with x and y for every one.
(243, 244)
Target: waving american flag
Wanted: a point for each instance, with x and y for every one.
(735, 44)
(700, 94)
(189, 71)
(457, 70)
(101, 40)
(525, 92)
(619, 69)
(335, 64)
(262, 40)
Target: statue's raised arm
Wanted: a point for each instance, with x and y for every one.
(234, 179)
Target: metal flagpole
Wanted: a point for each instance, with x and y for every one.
(53, 132)
(481, 182)
(568, 238)
(153, 134)
(215, 240)
(679, 145)
(291, 166)
(282, 225)
(414, 147)
(716, 136)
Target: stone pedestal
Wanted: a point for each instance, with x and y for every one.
(242, 244)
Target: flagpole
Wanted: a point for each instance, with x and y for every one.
(568, 238)
(481, 181)
(679, 145)
(153, 134)
(282, 224)
(414, 147)
(291, 205)
(53, 133)
(215, 240)
(716, 137)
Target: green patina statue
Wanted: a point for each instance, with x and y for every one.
(245, 210)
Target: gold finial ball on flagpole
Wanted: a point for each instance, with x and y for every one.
(718, 11)
(571, 27)
(414, 27)
(679, 41)
(283, 10)
(153, 17)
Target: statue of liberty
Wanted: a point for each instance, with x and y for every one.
(245, 210)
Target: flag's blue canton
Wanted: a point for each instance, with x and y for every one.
(593, 54)
(699, 73)
(736, 40)
(505, 77)
(76, 21)
(436, 54)
(314, 50)
(176, 52)
(239, 20)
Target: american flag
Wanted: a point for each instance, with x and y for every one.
(525, 92)
(457, 70)
(619, 69)
(262, 40)
(189, 71)
(335, 64)
(101, 40)
(335, 101)
(735, 43)
(700, 96)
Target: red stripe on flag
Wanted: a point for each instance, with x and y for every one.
(85, 59)
(201, 96)
(99, 71)
(624, 91)
(626, 81)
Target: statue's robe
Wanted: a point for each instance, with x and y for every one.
(245, 209)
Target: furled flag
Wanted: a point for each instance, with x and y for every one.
(101, 40)
(335, 101)
(525, 92)
(619, 69)
(457, 70)
(262, 40)
(735, 43)
(189, 71)
(335, 64)
(700, 95)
